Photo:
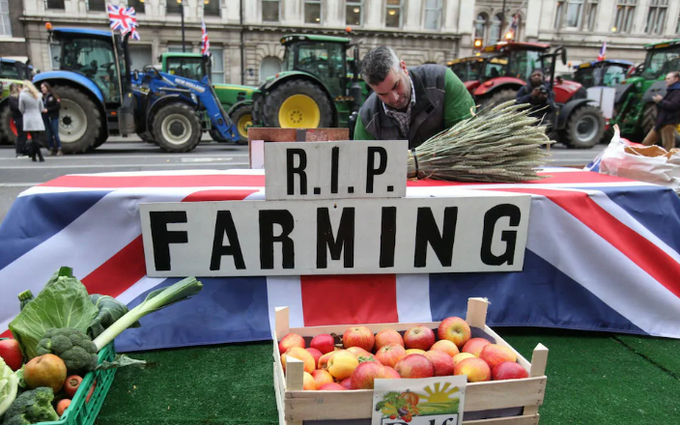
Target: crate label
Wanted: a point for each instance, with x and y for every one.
(427, 401)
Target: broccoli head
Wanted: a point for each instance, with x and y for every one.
(73, 346)
(31, 407)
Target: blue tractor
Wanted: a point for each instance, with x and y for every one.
(102, 97)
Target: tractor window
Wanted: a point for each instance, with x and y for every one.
(95, 59)
(523, 62)
(191, 68)
(661, 62)
(324, 60)
(614, 74)
(460, 69)
(9, 70)
(495, 68)
(585, 77)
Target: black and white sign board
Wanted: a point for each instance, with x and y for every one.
(476, 232)
(335, 170)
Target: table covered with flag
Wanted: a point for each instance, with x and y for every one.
(603, 254)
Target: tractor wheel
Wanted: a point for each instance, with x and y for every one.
(147, 138)
(8, 136)
(176, 128)
(242, 118)
(498, 98)
(298, 104)
(584, 128)
(648, 118)
(80, 121)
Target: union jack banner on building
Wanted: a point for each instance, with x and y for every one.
(205, 41)
(123, 19)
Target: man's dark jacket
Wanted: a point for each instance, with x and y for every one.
(669, 107)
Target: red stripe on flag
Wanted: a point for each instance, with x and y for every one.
(119, 272)
(349, 299)
(219, 195)
(645, 254)
(200, 180)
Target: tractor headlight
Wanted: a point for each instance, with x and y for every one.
(194, 98)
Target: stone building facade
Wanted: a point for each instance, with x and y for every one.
(12, 41)
(245, 34)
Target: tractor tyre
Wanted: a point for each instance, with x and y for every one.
(584, 129)
(648, 118)
(80, 121)
(176, 128)
(7, 136)
(242, 118)
(298, 104)
(498, 98)
(147, 138)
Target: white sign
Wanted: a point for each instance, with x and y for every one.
(481, 232)
(427, 401)
(604, 98)
(334, 170)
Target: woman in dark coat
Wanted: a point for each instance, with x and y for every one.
(668, 114)
(14, 91)
(51, 103)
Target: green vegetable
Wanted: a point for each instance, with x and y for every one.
(155, 301)
(63, 303)
(31, 407)
(24, 298)
(71, 345)
(8, 386)
(110, 310)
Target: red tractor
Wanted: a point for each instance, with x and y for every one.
(507, 67)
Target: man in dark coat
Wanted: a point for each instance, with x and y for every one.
(15, 90)
(537, 94)
(668, 114)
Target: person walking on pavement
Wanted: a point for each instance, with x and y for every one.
(50, 112)
(30, 105)
(668, 114)
(14, 92)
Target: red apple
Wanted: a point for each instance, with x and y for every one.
(420, 337)
(446, 346)
(300, 354)
(495, 354)
(475, 346)
(359, 352)
(308, 382)
(323, 360)
(365, 374)
(325, 343)
(390, 373)
(333, 387)
(387, 337)
(358, 336)
(390, 354)
(315, 353)
(415, 366)
(460, 357)
(347, 383)
(454, 329)
(476, 369)
(508, 370)
(442, 362)
(289, 341)
(322, 377)
(10, 351)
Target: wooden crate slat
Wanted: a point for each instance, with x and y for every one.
(319, 405)
(513, 420)
(503, 394)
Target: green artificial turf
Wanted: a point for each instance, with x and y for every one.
(593, 379)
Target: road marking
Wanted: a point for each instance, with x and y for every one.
(19, 184)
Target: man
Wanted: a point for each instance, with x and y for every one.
(411, 104)
(668, 114)
(537, 94)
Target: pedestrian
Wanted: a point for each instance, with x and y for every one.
(50, 113)
(537, 94)
(14, 92)
(30, 105)
(668, 114)
(413, 104)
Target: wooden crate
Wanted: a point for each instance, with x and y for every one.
(510, 402)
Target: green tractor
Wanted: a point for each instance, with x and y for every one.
(635, 112)
(319, 85)
(11, 71)
(235, 99)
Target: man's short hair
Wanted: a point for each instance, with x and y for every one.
(675, 74)
(537, 70)
(377, 64)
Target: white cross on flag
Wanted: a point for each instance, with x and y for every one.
(123, 19)
(205, 41)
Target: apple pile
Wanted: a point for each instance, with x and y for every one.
(421, 352)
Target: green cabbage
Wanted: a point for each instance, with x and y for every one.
(110, 310)
(8, 386)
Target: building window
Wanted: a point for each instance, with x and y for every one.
(353, 15)
(177, 48)
(5, 24)
(495, 30)
(270, 65)
(96, 5)
(54, 4)
(174, 7)
(217, 65)
(312, 11)
(656, 18)
(393, 14)
(433, 13)
(677, 28)
(270, 10)
(137, 4)
(591, 15)
(625, 13)
(211, 8)
(481, 24)
(576, 14)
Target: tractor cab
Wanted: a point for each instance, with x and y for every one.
(187, 65)
(469, 69)
(15, 70)
(606, 73)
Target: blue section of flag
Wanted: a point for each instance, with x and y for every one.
(23, 229)
(226, 310)
(540, 296)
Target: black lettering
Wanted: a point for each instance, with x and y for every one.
(268, 218)
(388, 234)
(371, 169)
(224, 224)
(344, 241)
(427, 232)
(335, 153)
(449, 421)
(508, 236)
(162, 237)
(291, 170)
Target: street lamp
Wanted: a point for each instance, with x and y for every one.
(181, 13)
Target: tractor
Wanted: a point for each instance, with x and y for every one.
(100, 96)
(576, 123)
(235, 99)
(607, 73)
(11, 71)
(319, 85)
(470, 68)
(635, 112)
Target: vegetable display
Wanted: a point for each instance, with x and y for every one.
(74, 347)
(31, 407)
(9, 386)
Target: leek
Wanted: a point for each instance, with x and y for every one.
(155, 301)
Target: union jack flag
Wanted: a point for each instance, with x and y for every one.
(603, 52)
(205, 41)
(123, 19)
